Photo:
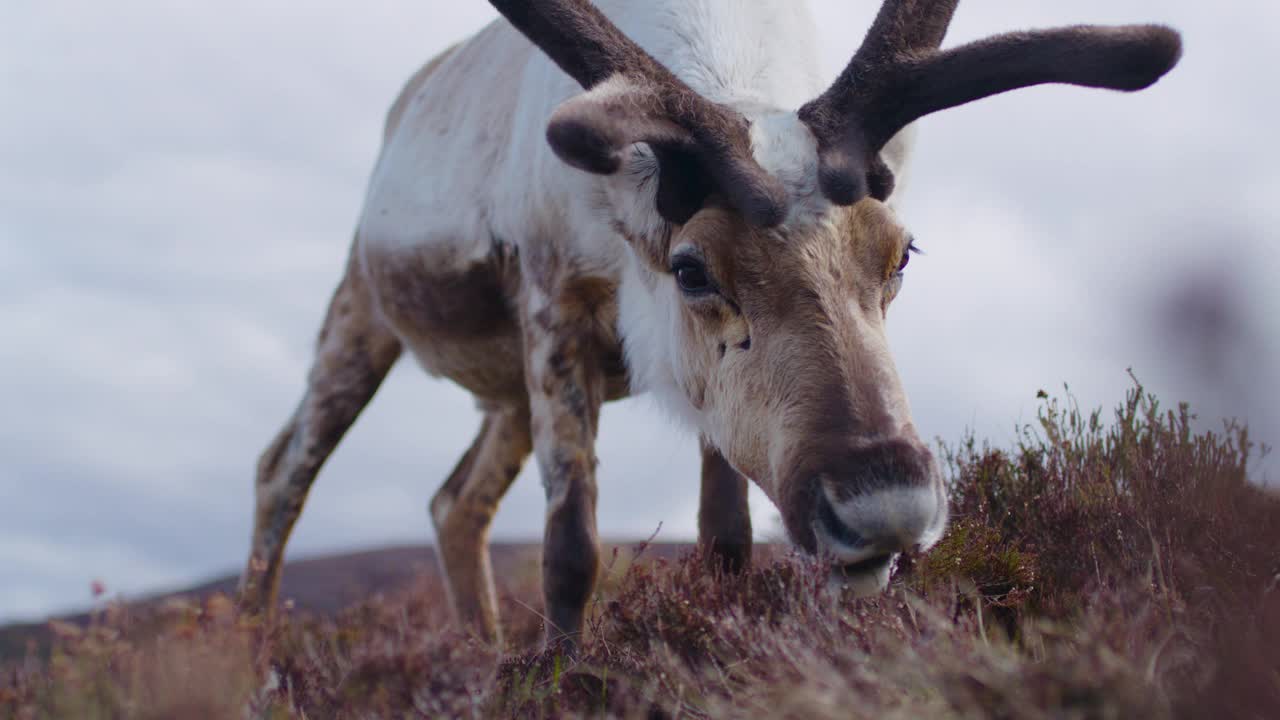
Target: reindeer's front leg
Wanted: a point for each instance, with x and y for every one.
(724, 520)
(566, 388)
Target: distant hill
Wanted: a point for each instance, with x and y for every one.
(327, 584)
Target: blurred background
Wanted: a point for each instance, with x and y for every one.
(179, 182)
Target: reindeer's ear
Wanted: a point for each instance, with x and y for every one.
(590, 131)
(632, 98)
(593, 132)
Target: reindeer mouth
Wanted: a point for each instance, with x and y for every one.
(866, 567)
(866, 578)
(855, 564)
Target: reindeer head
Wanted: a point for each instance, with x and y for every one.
(766, 259)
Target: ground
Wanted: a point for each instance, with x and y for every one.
(1112, 569)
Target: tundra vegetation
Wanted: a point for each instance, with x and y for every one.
(1116, 567)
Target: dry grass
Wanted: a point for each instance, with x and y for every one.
(1110, 570)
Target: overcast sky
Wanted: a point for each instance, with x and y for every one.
(179, 182)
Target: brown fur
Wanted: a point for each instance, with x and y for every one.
(354, 352)
(567, 385)
(463, 325)
(464, 507)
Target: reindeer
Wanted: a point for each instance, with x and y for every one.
(679, 228)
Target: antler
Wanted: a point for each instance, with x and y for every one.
(691, 135)
(899, 75)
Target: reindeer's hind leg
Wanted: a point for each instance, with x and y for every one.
(464, 507)
(354, 352)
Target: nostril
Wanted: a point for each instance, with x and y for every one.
(834, 526)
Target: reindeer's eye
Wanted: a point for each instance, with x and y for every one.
(906, 254)
(691, 275)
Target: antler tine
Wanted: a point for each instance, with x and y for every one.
(850, 165)
(903, 26)
(1126, 58)
(582, 41)
(669, 115)
(899, 75)
(903, 29)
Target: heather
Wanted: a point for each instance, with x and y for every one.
(1107, 565)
